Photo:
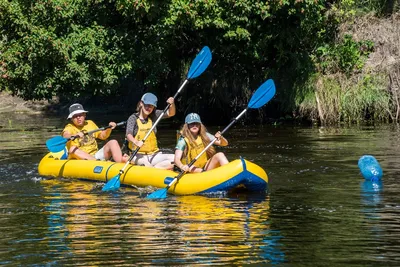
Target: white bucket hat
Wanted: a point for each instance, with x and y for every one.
(75, 109)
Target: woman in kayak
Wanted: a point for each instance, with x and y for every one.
(194, 138)
(139, 124)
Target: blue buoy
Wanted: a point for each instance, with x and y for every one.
(370, 168)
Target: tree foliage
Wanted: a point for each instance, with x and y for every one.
(82, 48)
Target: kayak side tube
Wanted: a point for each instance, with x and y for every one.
(239, 173)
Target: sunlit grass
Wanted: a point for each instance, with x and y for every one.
(337, 98)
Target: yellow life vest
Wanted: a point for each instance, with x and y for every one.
(150, 145)
(88, 142)
(193, 151)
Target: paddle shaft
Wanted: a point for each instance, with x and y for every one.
(96, 130)
(205, 149)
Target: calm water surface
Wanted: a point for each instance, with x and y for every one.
(318, 211)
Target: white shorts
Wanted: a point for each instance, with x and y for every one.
(153, 159)
(100, 154)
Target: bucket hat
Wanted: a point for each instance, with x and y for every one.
(75, 109)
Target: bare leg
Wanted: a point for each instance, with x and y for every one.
(112, 149)
(76, 153)
(217, 160)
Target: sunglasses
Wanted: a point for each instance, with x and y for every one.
(194, 124)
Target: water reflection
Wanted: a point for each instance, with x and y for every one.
(183, 230)
(57, 232)
(371, 193)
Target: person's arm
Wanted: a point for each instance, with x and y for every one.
(177, 160)
(67, 133)
(133, 140)
(221, 141)
(172, 109)
(107, 132)
(130, 127)
(179, 148)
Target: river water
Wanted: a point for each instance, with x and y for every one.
(319, 211)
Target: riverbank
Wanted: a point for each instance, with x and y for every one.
(14, 104)
(10, 104)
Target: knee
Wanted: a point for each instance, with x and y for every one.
(113, 143)
(220, 155)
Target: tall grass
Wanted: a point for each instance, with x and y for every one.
(339, 98)
(367, 99)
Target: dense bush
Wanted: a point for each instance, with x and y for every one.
(50, 47)
(86, 48)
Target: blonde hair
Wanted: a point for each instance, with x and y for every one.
(185, 132)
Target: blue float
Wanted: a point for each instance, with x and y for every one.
(370, 168)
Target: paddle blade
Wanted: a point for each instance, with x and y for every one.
(162, 193)
(263, 94)
(113, 184)
(200, 63)
(56, 144)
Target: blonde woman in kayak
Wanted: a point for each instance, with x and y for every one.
(138, 126)
(194, 138)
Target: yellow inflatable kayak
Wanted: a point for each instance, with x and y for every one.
(239, 173)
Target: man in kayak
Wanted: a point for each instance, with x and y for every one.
(139, 124)
(85, 146)
(194, 139)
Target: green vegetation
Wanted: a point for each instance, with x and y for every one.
(120, 48)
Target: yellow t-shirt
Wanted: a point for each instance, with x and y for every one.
(88, 142)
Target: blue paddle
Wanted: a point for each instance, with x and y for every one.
(263, 94)
(57, 143)
(199, 65)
